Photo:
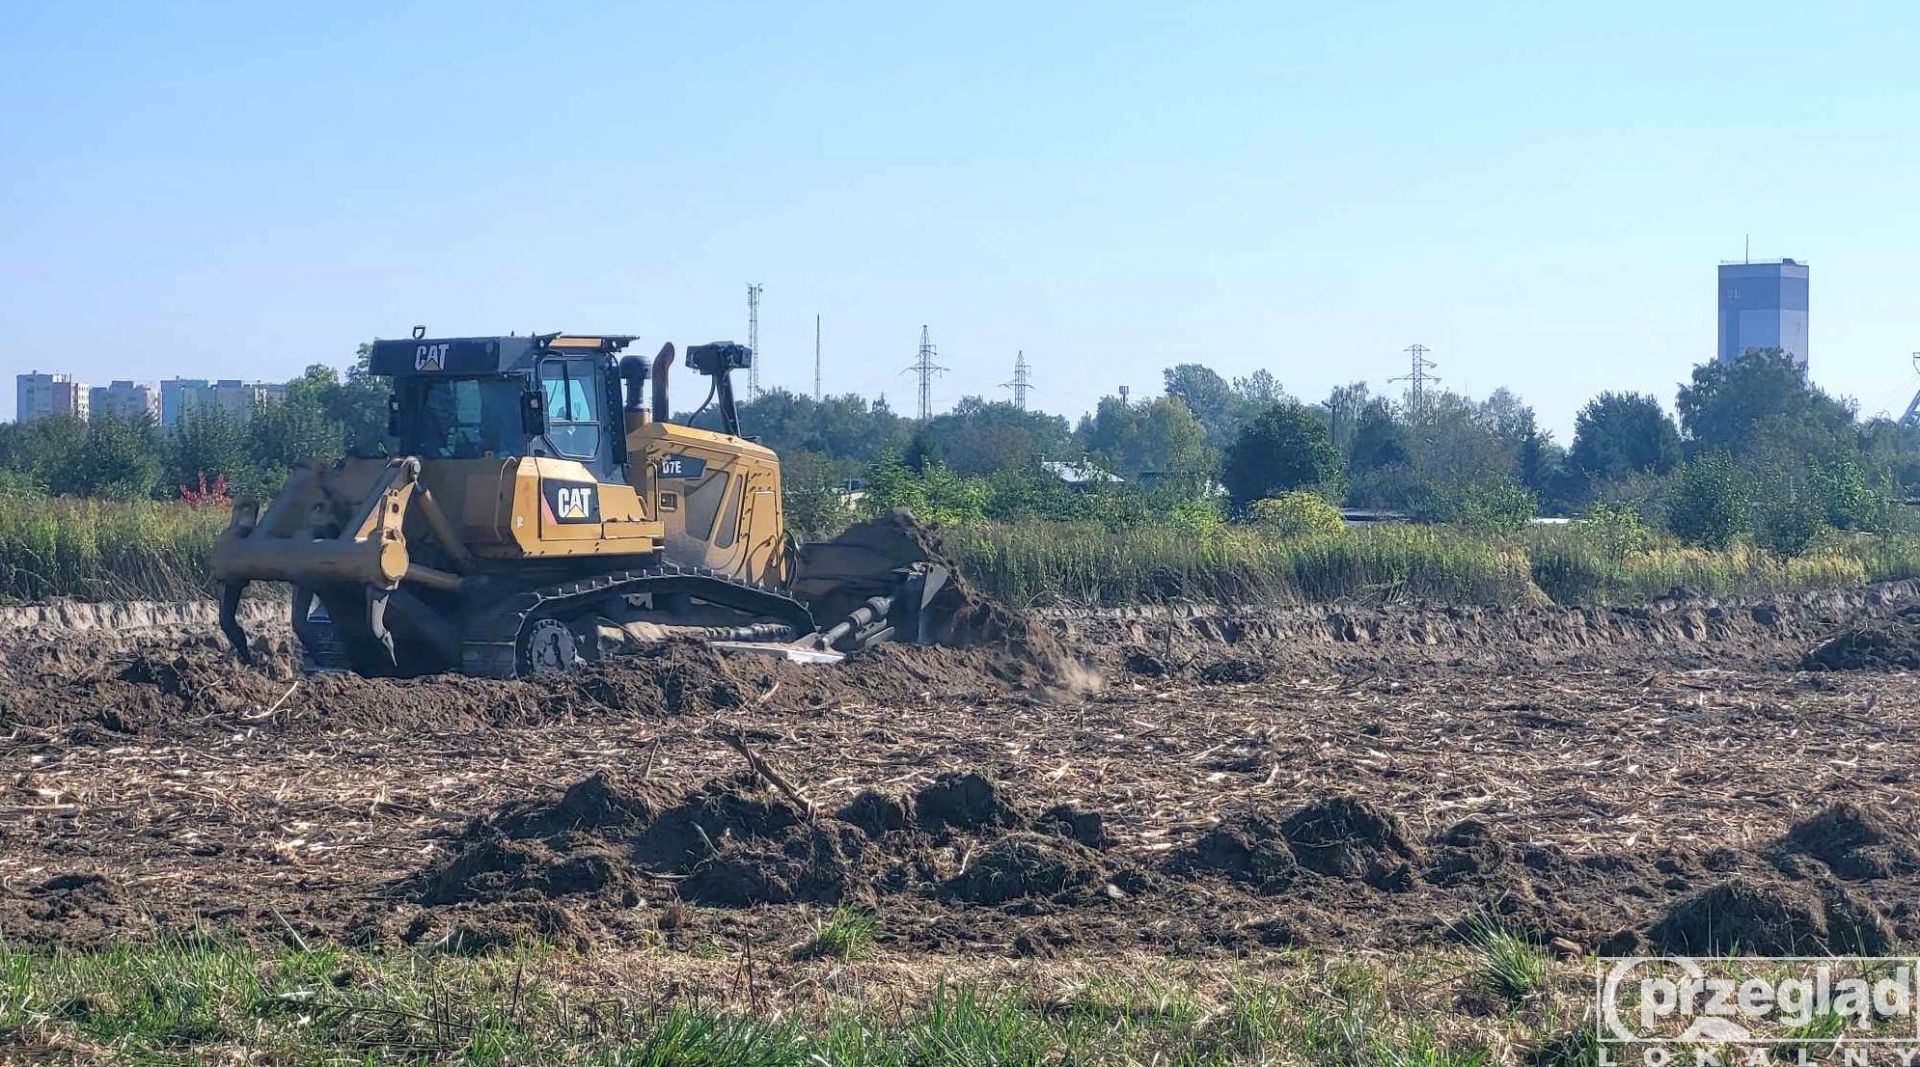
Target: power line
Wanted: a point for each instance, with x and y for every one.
(926, 368)
(1022, 380)
(753, 339)
(1417, 378)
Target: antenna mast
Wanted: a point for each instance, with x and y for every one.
(753, 338)
(1022, 380)
(926, 368)
(1417, 378)
(816, 358)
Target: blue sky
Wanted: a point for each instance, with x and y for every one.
(1539, 192)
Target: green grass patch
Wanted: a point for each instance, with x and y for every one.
(201, 1001)
(105, 550)
(845, 933)
(1511, 966)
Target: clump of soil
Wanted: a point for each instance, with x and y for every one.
(1021, 866)
(498, 868)
(1349, 838)
(736, 844)
(1463, 852)
(1338, 837)
(1246, 846)
(876, 812)
(1855, 841)
(1778, 919)
(962, 801)
(729, 842)
(1069, 820)
(603, 801)
(1887, 644)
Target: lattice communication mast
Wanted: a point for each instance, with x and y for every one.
(753, 339)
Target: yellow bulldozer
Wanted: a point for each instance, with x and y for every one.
(542, 511)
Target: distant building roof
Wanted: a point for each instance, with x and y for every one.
(1084, 473)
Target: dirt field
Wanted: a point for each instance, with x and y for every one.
(1186, 783)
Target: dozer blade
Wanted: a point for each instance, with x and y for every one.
(790, 653)
(869, 560)
(337, 535)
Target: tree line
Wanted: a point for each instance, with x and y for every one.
(1752, 450)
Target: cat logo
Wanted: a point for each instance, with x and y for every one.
(573, 502)
(430, 356)
(570, 502)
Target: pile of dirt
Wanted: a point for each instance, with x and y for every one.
(608, 843)
(1348, 838)
(1020, 650)
(736, 844)
(1021, 866)
(729, 842)
(1246, 846)
(962, 801)
(1888, 644)
(1335, 837)
(1771, 919)
(1465, 851)
(496, 868)
(1855, 842)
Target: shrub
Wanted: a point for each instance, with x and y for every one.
(1196, 514)
(1616, 531)
(1788, 526)
(934, 493)
(1297, 513)
(1498, 504)
(1707, 503)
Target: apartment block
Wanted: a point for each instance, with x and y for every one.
(125, 400)
(40, 396)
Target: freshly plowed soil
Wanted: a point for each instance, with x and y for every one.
(1175, 780)
(1879, 644)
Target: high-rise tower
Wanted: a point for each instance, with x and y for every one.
(1763, 305)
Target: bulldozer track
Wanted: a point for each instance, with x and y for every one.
(490, 647)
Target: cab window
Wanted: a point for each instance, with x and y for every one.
(573, 422)
(463, 418)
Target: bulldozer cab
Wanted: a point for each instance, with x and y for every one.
(501, 397)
